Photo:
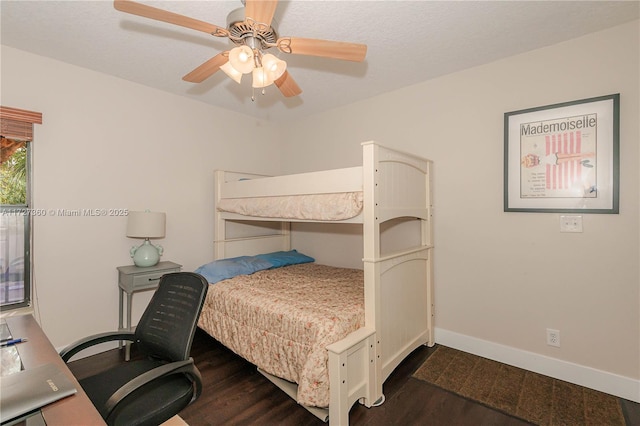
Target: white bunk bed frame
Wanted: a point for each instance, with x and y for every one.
(398, 287)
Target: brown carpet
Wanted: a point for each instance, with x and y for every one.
(530, 396)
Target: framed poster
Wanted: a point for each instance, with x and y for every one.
(563, 158)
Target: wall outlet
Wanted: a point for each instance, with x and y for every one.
(553, 337)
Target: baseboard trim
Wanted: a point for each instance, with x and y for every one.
(613, 384)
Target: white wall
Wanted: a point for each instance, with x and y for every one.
(503, 278)
(109, 143)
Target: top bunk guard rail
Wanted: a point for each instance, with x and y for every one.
(322, 182)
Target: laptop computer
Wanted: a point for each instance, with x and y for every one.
(25, 392)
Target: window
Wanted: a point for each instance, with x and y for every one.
(14, 224)
(16, 210)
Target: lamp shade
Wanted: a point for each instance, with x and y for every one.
(146, 224)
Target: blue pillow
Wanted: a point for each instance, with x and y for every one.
(285, 258)
(223, 269)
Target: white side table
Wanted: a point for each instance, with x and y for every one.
(132, 279)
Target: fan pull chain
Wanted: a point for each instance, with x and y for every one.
(253, 93)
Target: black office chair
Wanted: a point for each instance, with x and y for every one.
(150, 391)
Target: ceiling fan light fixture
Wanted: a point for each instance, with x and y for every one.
(274, 66)
(233, 73)
(251, 29)
(261, 78)
(241, 58)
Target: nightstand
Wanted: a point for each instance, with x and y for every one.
(132, 279)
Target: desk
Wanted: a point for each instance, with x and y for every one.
(73, 410)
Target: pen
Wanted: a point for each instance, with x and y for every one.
(12, 342)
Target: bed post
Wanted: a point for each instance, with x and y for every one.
(371, 252)
(427, 241)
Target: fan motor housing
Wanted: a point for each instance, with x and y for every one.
(239, 30)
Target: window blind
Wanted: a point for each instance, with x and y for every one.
(18, 123)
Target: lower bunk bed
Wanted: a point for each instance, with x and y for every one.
(303, 325)
(283, 319)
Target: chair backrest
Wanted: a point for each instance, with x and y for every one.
(169, 322)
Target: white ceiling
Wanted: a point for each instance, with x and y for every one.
(408, 42)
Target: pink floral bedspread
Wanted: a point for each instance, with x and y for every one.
(283, 319)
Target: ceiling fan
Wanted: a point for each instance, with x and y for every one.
(250, 29)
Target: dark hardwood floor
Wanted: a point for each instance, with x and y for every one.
(234, 393)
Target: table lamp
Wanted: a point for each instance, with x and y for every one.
(146, 225)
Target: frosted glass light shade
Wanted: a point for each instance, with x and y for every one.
(274, 66)
(146, 224)
(231, 72)
(261, 78)
(241, 58)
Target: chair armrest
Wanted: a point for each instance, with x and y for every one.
(96, 339)
(176, 367)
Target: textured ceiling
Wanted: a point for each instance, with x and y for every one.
(408, 42)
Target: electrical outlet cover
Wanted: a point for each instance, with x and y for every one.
(571, 223)
(553, 337)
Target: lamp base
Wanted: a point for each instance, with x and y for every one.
(146, 254)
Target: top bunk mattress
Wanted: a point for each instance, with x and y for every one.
(323, 207)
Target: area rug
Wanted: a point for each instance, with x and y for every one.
(530, 396)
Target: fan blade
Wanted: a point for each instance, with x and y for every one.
(145, 11)
(326, 48)
(261, 11)
(288, 85)
(207, 69)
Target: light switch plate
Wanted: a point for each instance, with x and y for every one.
(571, 223)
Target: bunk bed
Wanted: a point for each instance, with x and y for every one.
(393, 301)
